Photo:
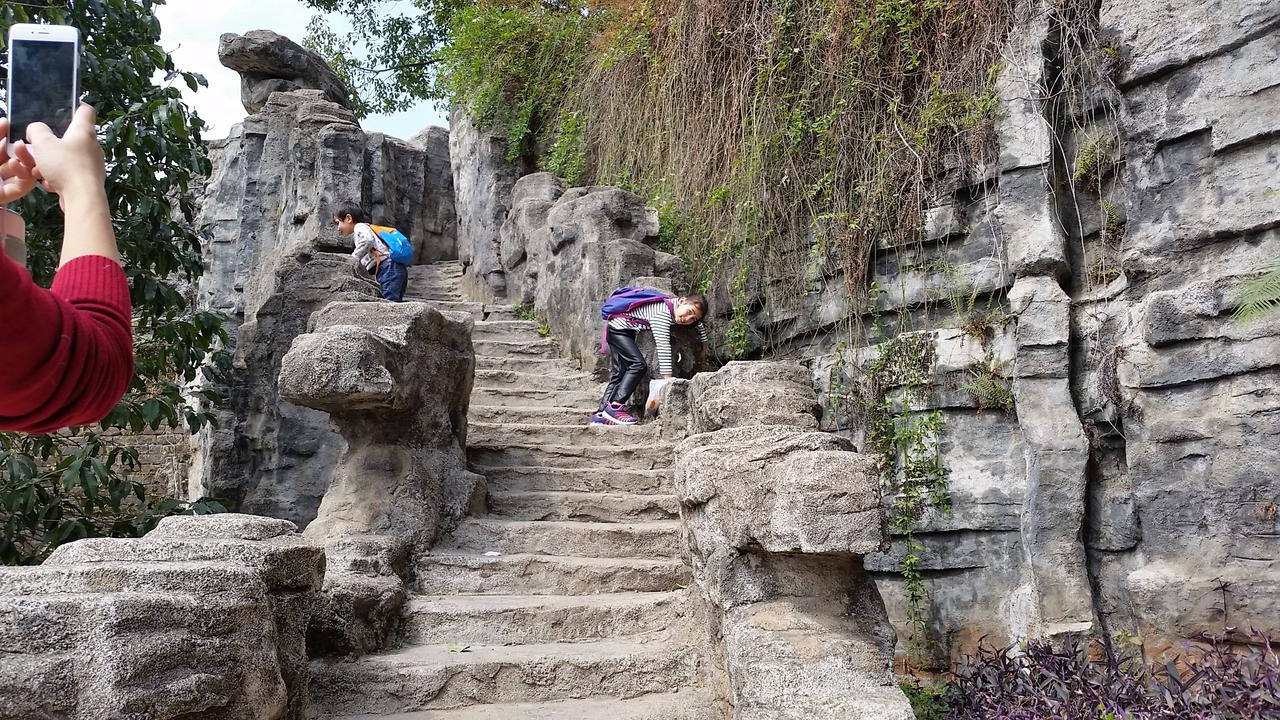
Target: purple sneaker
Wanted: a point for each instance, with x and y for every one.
(597, 418)
(616, 414)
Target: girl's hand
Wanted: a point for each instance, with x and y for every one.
(17, 177)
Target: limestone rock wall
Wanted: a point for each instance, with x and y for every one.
(564, 251)
(1108, 431)
(1130, 486)
(274, 258)
(204, 617)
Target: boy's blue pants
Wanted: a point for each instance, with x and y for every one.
(392, 278)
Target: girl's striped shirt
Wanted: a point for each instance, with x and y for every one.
(657, 317)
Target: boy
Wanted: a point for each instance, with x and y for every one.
(628, 366)
(371, 252)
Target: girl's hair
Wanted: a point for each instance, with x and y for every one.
(699, 300)
(349, 208)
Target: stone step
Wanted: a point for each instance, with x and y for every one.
(686, 705)
(517, 337)
(474, 309)
(580, 433)
(500, 312)
(507, 326)
(583, 506)
(586, 399)
(564, 537)
(432, 677)
(604, 458)
(540, 349)
(535, 366)
(526, 478)
(528, 619)
(528, 414)
(564, 379)
(435, 270)
(460, 573)
(434, 296)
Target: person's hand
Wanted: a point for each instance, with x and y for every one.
(17, 178)
(71, 164)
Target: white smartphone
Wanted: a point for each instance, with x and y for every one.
(44, 77)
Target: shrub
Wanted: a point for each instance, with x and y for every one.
(1215, 680)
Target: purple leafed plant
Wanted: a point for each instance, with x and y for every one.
(1227, 677)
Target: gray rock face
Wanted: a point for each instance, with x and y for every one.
(203, 617)
(268, 62)
(396, 379)
(435, 234)
(778, 518)
(564, 252)
(274, 258)
(483, 180)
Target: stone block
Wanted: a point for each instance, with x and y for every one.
(1043, 312)
(1034, 241)
(269, 63)
(753, 393)
(1222, 94)
(201, 620)
(1025, 136)
(1158, 37)
(780, 489)
(1176, 603)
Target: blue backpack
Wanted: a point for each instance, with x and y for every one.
(397, 243)
(624, 300)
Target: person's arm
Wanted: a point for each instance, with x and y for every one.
(702, 345)
(73, 359)
(73, 167)
(364, 242)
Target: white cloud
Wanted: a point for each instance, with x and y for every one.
(190, 30)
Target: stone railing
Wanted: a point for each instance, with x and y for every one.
(204, 617)
(778, 517)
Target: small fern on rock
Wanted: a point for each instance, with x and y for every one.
(1261, 295)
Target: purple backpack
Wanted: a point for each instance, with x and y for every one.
(624, 300)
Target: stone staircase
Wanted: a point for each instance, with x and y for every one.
(567, 599)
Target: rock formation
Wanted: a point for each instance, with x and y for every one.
(564, 251)
(274, 258)
(778, 517)
(396, 379)
(483, 180)
(268, 62)
(204, 617)
(1118, 471)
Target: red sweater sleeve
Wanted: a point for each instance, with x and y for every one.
(66, 354)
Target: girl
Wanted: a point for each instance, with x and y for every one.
(627, 313)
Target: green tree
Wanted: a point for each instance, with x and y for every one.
(75, 484)
(387, 57)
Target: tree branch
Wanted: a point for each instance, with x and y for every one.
(394, 68)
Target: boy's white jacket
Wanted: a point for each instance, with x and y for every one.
(368, 246)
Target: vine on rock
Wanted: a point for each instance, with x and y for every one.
(905, 442)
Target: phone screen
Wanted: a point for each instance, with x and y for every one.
(43, 76)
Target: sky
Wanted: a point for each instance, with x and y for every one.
(190, 31)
